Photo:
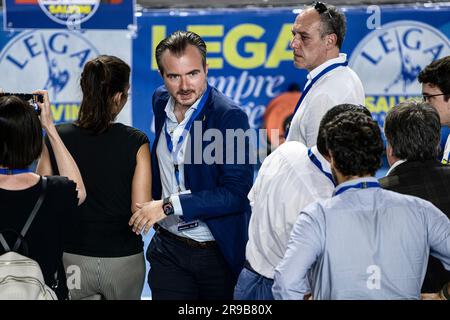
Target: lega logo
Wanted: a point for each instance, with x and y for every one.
(388, 60)
(46, 60)
(69, 11)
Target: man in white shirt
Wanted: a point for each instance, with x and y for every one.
(290, 178)
(435, 80)
(319, 32)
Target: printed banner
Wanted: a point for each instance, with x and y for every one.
(250, 59)
(53, 60)
(68, 14)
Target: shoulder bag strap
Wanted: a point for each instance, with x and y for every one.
(4, 243)
(32, 214)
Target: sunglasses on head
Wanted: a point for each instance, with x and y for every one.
(321, 8)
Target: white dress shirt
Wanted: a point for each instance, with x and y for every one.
(395, 164)
(167, 172)
(287, 181)
(338, 86)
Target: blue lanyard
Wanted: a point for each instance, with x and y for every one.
(14, 171)
(314, 80)
(188, 126)
(319, 165)
(361, 185)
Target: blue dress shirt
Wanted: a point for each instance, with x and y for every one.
(365, 243)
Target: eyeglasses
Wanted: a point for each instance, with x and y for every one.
(426, 97)
(321, 8)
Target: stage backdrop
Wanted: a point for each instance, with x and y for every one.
(250, 59)
(248, 55)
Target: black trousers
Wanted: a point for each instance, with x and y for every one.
(179, 271)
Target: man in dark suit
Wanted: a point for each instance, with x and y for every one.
(202, 222)
(412, 130)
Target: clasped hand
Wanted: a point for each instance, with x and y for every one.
(146, 216)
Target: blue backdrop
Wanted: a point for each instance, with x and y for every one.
(250, 59)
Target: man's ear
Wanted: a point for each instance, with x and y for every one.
(389, 151)
(331, 40)
(391, 158)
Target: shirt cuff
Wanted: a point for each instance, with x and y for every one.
(178, 210)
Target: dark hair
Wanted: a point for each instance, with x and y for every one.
(437, 73)
(101, 79)
(332, 20)
(413, 130)
(330, 116)
(20, 133)
(354, 141)
(177, 43)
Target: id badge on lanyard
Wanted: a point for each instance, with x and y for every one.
(185, 225)
(182, 226)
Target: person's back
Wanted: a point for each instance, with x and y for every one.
(115, 162)
(288, 180)
(377, 247)
(20, 189)
(429, 180)
(365, 242)
(47, 232)
(412, 131)
(107, 163)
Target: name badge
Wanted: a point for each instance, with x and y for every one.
(187, 225)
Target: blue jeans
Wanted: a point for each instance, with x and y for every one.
(253, 286)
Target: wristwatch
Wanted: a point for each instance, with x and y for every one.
(167, 207)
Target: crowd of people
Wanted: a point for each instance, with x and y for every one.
(314, 224)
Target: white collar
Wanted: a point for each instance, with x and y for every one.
(396, 163)
(171, 104)
(354, 182)
(325, 164)
(341, 59)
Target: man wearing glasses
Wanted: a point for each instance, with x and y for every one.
(435, 80)
(318, 33)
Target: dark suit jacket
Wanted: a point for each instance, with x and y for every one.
(219, 191)
(429, 180)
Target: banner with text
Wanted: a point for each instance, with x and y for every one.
(250, 58)
(68, 14)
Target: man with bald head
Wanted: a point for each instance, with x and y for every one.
(318, 33)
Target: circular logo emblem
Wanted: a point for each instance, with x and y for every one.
(69, 11)
(47, 60)
(388, 60)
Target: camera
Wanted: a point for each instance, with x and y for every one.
(31, 98)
